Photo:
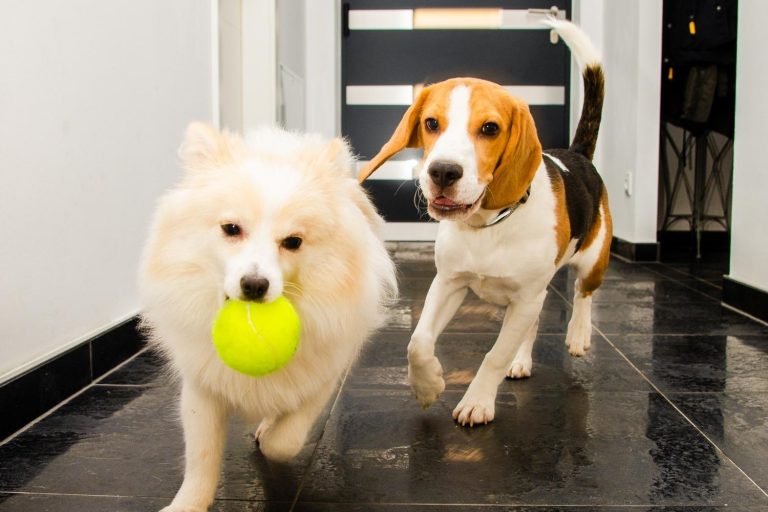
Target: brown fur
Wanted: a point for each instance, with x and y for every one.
(506, 162)
(594, 278)
(563, 223)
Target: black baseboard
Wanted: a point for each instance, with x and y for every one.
(677, 246)
(746, 298)
(31, 394)
(635, 251)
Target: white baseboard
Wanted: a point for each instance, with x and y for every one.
(410, 231)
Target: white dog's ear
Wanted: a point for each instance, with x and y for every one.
(205, 147)
(338, 154)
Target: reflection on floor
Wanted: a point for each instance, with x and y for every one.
(668, 410)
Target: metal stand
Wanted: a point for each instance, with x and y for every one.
(708, 181)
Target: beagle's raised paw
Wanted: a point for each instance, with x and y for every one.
(427, 381)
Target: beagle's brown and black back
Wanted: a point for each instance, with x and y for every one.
(581, 183)
(582, 187)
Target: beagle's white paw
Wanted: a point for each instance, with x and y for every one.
(578, 339)
(474, 410)
(426, 381)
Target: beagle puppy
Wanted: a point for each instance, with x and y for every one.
(510, 216)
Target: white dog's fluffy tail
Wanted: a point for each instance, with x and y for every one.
(581, 46)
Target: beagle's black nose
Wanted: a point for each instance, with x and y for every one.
(254, 287)
(444, 174)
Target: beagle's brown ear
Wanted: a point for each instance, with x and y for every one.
(406, 135)
(518, 163)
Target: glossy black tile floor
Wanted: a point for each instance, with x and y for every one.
(668, 411)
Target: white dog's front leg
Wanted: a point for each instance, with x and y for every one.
(424, 370)
(205, 428)
(478, 406)
(281, 439)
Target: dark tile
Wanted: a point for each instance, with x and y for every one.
(379, 507)
(670, 318)
(701, 362)
(576, 447)
(127, 441)
(735, 421)
(111, 348)
(146, 369)
(66, 503)
(652, 289)
(35, 392)
(478, 316)
(384, 364)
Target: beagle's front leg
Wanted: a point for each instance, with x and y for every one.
(478, 406)
(424, 370)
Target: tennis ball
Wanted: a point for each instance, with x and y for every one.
(256, 338)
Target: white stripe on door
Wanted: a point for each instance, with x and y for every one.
(403, 94)
(446, 19)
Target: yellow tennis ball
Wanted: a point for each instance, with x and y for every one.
(256, 338)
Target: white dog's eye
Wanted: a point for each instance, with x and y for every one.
(431, 124)
(291, 243)
(231, 230)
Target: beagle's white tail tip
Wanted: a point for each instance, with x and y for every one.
(579, 43)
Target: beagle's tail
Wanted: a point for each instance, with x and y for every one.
(594, 84)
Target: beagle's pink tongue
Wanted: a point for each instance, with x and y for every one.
(444, 202)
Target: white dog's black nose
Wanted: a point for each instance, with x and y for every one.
(254, 287)
(444, 174)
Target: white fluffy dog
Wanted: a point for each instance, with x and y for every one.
(273, 214)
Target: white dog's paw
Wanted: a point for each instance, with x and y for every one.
(474, 410)
(279, 442)
(183, 508)
(426, 381)
(263, 427)
(521, 368)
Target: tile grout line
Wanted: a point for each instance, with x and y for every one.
(670, 402)
(69, 399)
(317, 445)
(681, 283)
(719, 300)
(697, 278)
(676, 408)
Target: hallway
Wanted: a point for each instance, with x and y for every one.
(668, 410)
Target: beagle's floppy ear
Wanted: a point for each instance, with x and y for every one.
(518, 163)
(406, 135)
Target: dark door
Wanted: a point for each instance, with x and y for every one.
(390, 47)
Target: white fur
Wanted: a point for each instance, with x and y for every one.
(579, 43)
(189, 267)
(456, 146)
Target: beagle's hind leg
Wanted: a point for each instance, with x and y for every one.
(590, 269)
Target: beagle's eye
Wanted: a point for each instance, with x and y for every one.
(231, 230)
(431, 124)
(291, 243)
(490, 129)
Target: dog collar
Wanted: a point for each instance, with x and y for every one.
(504, 213)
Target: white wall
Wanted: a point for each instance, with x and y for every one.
(749, 237)
(323, 67)
(291, 63)
(94, 97)
(629, 135)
